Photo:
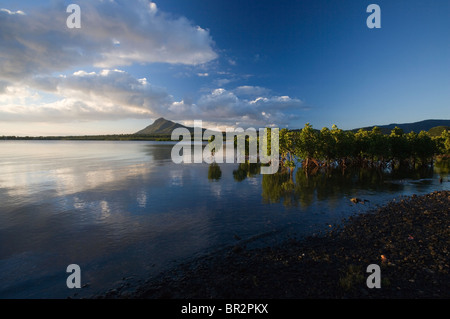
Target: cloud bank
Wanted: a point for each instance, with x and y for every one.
(113, 33)
(115, 94)
(44, 77)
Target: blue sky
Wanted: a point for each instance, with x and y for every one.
(228, 63)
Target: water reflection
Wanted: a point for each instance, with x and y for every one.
(279, 187)
(63, 168)
(214, 172)
(296, 187)
(442, 167)
(245, 170)
(159, 154)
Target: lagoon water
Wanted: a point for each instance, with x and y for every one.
(124, 210)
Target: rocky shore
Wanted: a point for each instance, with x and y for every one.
(409, 239)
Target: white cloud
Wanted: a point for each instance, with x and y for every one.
(12, 12)
(115, 94)
(112, 34)
(153, 7)
(222, 107)
(103, 95)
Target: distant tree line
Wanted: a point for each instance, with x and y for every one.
(337, 147)
(115, 137)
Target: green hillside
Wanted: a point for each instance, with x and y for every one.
(408, 127)
(161, 127)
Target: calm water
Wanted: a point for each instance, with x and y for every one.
(124, 210)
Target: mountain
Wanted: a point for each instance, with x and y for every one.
(408, 127)
(161, 127)
(165, 127)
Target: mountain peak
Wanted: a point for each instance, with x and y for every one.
(160, 126)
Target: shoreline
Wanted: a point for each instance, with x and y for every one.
(408, 238)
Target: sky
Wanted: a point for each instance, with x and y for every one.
(229, 63)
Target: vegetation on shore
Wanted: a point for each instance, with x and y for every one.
(337, 147)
